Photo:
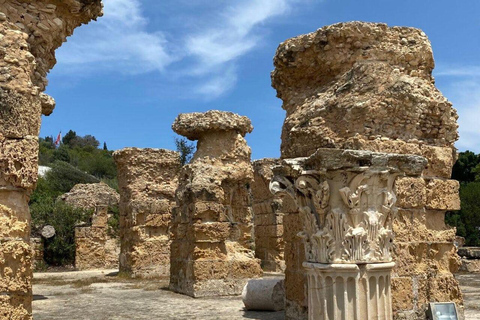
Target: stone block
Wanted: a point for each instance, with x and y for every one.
(19, 162)
(211, 232)
(244, 269)
(410, 192)
(209, 251)
(469, 252)
(10, 226)
(20, 114)
(205, 270)
(440, 161)
(15, 267)
(443, 194)
(402, 294)
(15, 307)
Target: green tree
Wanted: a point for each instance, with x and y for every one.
(61, 154)
(464, 169)
(467, 220)
(185, 149)
(67, 139)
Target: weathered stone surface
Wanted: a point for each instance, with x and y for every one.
(470, 265)
(443, 194)
(18, 162)
(359, 80)
(211, 252)
(411, 192)
(469, 252)
(268, 221)
(264, 294)
(194, 125)
(368, 86)
(90, 195)
(95, 248)
(147, 180)
(30, 31)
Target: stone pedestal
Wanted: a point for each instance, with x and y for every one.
(346, 203)
(349, 291)
(212, 248)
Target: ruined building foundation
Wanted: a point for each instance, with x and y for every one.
(268, 219)
(147, 179)
(367, 86)
(30, 31)
(346, 203)
(212, 248)
(95, 245)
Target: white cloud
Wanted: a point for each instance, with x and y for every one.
(467, 71)
(217, 48)
(119, 41)
(465, 96)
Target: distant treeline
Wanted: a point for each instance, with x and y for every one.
(467, 220)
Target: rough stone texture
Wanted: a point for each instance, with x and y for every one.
(368, 86)
(268, 221)
(95, 248)
(37, 252)
(264, 294)
(470, 261)
(147, 180)
(30, 31)
(211, 253)
(91, 195)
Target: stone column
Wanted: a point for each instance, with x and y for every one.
(30, 31)
(367, 86)
(347, 204)
(268, 219)
(147, 179)
(212, 246)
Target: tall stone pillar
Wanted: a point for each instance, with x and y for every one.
(367, 86)
(30, 31)
(212, 253)
(268, 218)
(147, 179)
(347, 204)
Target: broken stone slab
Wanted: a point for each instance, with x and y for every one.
(469, 252)
(264, 294)
(48, 232)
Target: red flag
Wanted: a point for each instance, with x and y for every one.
(59, 137)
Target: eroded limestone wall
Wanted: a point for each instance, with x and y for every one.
(367, 86)
(30, 31)
(268, 220)
(95, 245)
(212, 248)
(147, 179)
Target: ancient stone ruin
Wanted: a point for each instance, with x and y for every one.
(147, 179)
(268, 220)
(346, 203)
(95, 245)
(368, 86)
(212, 251)
(30, 32)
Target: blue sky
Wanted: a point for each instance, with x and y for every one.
(127, 76)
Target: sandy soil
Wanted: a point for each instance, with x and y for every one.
(103, 295)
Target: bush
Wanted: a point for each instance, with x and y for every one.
(63, 177)
(467, 220)
(59, 250)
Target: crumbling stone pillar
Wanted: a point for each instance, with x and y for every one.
(212, 252)
(268, 220)
(30, 31)
(147, 179)
(95, 246)
(347, 204)
(367, 86)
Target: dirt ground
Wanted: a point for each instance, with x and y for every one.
(104, 295)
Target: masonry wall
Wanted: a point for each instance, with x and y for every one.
(366, 86)
(268, 220)
(147, 180)
(30, 31)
